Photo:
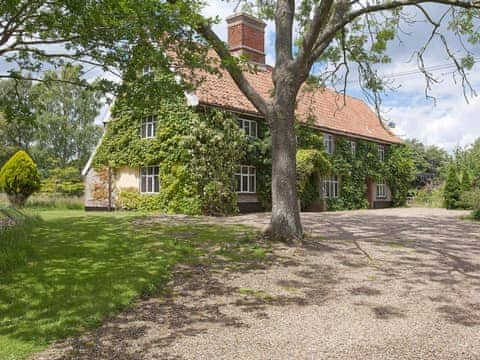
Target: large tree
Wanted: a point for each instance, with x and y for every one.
(37, 34)
(430, 162)
(334, 32)
(65, 115)
(337, 33)
(53, 119)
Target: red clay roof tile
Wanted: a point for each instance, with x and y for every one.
(326, 108)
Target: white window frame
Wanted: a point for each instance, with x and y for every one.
(353, 147)
(242, 178)
(329, 143)
(381, 152)
(148, 128)
(249, 126)
(331, 187)
(381, 189)
(147, 70)
(151, 174)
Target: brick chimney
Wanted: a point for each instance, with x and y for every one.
(246, 36)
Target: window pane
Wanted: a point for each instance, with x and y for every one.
(143, 185)
(244, 183)
(238, 183)
(252, 184)
(156, 182)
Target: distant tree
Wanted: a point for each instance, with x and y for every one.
(466, 180)
(53, 120)
(452, 191)
(19, 178)
(17, 118)
(475, 155)
(66, 116)
(429, 161)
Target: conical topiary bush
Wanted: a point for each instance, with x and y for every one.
(19, 178)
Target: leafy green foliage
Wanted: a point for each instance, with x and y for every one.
(54, 120)
(63, 181)
(102, 33)
(476, 214)
(452, 189)
(430, 163)
(311, 164)
(17, 114)
(429, 197)
(399, 173)
(65, 118)
(198, 152)
(19, 178)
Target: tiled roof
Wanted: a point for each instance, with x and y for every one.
(325, 107)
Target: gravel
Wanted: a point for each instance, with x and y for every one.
(383, 284)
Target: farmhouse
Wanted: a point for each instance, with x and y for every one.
(336, 117)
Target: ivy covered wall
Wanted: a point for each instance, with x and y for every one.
(198, 151)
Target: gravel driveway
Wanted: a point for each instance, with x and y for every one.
(377, 284)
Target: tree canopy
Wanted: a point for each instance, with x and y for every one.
(54, 122)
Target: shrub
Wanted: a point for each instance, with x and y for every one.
(400, 171)
(468, 199)
(429, 197)
(452, 191)
(476, 214)
(19, 178)
(64, 181)
(131, 199)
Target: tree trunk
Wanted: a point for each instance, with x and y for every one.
(285, 223)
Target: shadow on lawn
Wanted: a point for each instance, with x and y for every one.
(427, 256)
(87, 267)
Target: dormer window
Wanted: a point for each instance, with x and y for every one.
(149, 127)
(249, 126)
(147, 70)
(328, 143)
(381, 152)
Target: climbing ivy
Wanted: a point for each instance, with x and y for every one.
(197, 152)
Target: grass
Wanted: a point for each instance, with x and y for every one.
(258, 294)
(15, 244)
(44, 201)
(430, 198)
(83, 267)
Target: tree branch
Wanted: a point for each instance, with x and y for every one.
(318, 23)
(339, 22)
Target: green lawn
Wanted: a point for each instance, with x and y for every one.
(83, 267)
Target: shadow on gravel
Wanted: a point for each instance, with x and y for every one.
(436, 258)
(420, 253)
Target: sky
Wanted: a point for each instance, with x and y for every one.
(448, 122)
